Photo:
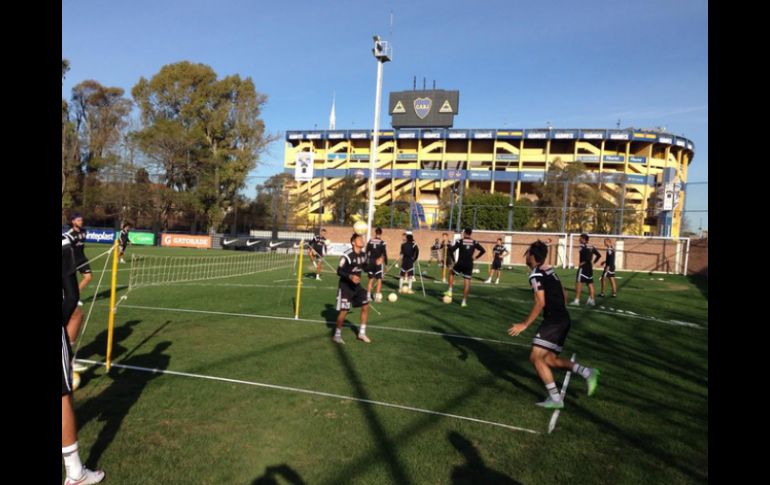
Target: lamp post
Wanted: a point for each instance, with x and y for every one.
(381, 52)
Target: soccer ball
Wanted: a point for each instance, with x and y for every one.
(360, 228)
(392, 298)
(75, 380)
(447, 299)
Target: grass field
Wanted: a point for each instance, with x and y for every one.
(647, 423)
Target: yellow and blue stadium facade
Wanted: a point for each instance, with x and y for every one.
(426, 162)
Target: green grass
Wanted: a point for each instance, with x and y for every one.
(647, 423)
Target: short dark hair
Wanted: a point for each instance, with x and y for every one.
(499, 239)
(584, 236)
(75, 215)
(354, 237)
(539, 250)
(468, 231)
(378, 230)
(409, 238)
(444, 234)
(127, 224)
(322, 230)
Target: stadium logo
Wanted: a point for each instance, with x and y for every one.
(422, 107)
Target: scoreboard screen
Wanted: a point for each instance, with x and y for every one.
(434, 108)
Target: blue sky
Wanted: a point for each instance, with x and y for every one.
(517, 64)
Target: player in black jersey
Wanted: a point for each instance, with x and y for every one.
(409, 254)
(317, 250)
(466, 248)
(123, 241)
(498, 253)
(551, 299)
(77, 237)
(435, 255)
(75, 471)
(609, 268)
(377, 259)
(350, 292)
(447, 256)
(585, 272)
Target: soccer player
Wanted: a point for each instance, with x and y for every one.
(609, 268)
(498, 253)
(435, 254)
(585, 273)
(550, 298)
(77, 238)
(464, 266)
(77, 474)
(350, 292)
(124, 242)
(377, 258)
(409, 254)
(317, 251)
(447, 254)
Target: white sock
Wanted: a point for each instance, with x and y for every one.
(338, 332)
(72, 461)
(582, 370)
(362, 330)
(400, 283)
(553, 391)
(410, 283)
(497, 280)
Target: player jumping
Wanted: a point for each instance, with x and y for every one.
(551, 299)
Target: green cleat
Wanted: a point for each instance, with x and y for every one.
(593, 381)
(551, 404)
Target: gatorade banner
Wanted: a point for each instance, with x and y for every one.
(185, 241)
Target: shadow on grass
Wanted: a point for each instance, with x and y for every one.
(284, 471)
(702, 283)
(474, 471)
(115, 402)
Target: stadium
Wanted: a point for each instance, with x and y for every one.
(638, 170)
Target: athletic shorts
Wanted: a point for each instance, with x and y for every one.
(609, 271)
(585, 275)
(85, 269)
(123, 247)
(551, 334)
(497, 264)
(66, 368)
(351, 295)
(375, 270)
(464, 271)
(407, 268)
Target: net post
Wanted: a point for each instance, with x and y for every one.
(113, 286)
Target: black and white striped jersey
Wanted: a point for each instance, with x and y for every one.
(545, 278)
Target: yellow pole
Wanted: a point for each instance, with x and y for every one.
(443, 270)
(113, 286)
(299, 277)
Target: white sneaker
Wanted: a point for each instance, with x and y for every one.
(122, 261)
(338, 339)
(89, 476)
(497, 282)
(364, 338)
(378, 297)
(80, 303)
(318, 277)
(591, 302)
(409, 291)
(551, 404)
(488, 280)
(575, 302)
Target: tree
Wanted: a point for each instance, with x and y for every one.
(346, 201)
(205, 133)
(484, 210)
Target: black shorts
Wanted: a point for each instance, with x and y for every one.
(66, 367)
(407, 268)
(463, 270)
(123, 247)
(609, 271)
(585, 275)
(375, 270)
(351, 295)
(85, 269)
(497, 264)
(551, 334)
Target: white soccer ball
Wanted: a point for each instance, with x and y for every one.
(545, 226)
(360, 228)
(392, 298)
(447, 299)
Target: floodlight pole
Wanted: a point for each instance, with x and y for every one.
(382, 54)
